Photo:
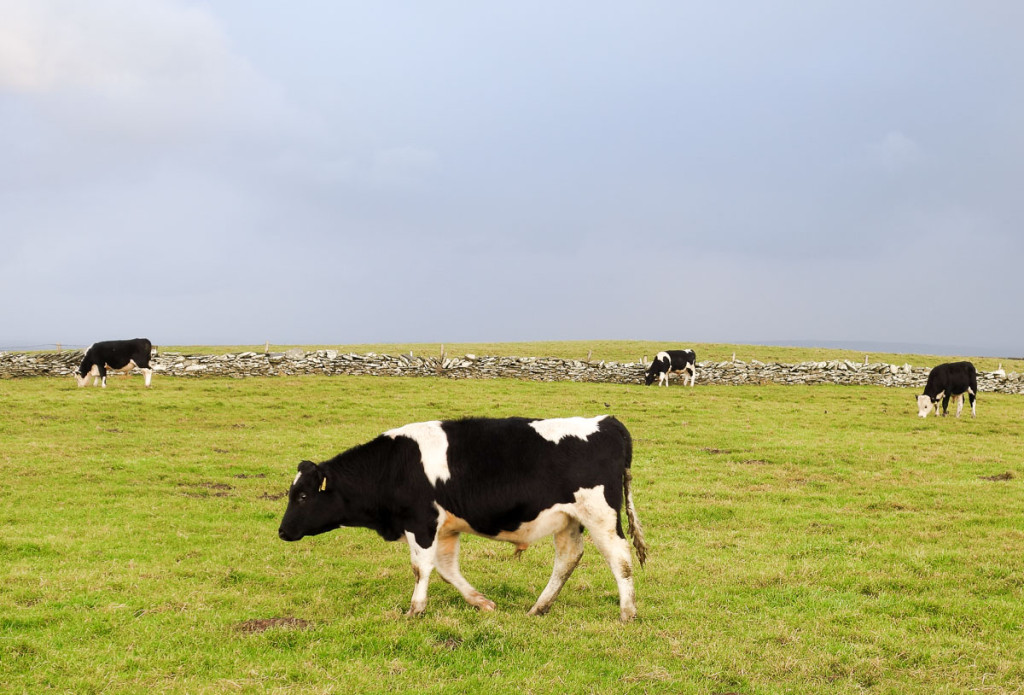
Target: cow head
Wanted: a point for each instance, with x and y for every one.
(926, 403)
(83, 379)
(311, 508)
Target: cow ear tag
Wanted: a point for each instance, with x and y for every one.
(323, 485)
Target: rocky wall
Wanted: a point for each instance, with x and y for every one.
(331, 362)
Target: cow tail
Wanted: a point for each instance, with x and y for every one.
(633, 526)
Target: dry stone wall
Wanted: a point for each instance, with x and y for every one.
(332, 362)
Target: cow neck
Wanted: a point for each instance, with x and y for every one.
(364, 477)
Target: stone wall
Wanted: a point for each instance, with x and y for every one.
(331, 362)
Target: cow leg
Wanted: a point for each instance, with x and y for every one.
(693, 375)
(148, 374)
(663, 379)
(568, 551)
(448, 568)
(945, 405)
(422, 566)
(971, 395)
(602, 521)
(959, 404)
(102, 371)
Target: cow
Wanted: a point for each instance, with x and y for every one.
(513, 479)
(672, 362)
(945, 380)
(116, 355)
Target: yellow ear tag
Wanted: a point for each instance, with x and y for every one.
(323, 485)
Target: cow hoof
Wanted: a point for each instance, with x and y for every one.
(487, 605)
(538, 610)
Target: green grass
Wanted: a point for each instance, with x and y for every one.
(622, 351)
(803, 539)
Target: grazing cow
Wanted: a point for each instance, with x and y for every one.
(116, 355)
(513, 479)
(945, 380)
(672, 362)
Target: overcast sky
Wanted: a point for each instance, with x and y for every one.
(235, 171)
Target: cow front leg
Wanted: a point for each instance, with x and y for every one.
(693, 376)
(568, 551)
(448, 568)
(148, 374)
(422, 566)
(959, 404)
(945, 405)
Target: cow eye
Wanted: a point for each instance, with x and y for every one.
(302, 497)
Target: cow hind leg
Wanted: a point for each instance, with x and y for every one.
(448, 568)
(602, 521)
(148, 373)
(422, 565)
(568, 551)
(972, 396)
(959, 404)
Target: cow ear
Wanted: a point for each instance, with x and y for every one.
(323, 484)
(307, 467)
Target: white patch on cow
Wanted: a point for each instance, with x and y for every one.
(555, 429)
(433, 444)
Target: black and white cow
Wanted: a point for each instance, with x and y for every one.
(672, 362)
(515, 479)
(945, 380)
(116, 355)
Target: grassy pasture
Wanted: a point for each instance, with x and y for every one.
(804, 539)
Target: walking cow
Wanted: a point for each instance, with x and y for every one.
(514, 479)
(117, 355)
(672, 362)
(945, 380)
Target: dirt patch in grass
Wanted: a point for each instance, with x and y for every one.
(263, 624)
(709, 450)
(273, 495)
(999, 476)
(219, 489)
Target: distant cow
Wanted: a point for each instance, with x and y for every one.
(945, 380)
(514, 479)
(115, 355)
(672, 362)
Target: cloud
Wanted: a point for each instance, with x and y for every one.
(896, 152)
(142, 70)
(402, 165)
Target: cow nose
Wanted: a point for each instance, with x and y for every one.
(281, 534)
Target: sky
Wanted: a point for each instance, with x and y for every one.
(237, 171)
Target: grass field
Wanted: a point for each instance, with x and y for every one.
(803, 539)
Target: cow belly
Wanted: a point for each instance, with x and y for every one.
(548, 522)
